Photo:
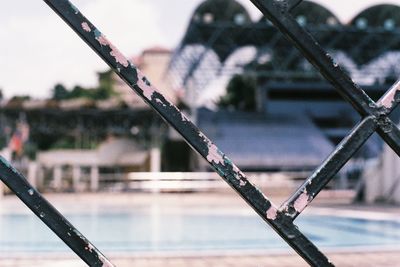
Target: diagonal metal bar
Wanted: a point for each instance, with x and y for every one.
(277, 13)
(346, 149)
(390, 133)
(388, 130)
(218, 160)
(293, 3)
(51, 217)
(350, 91)
(390, 99)
(323, 174)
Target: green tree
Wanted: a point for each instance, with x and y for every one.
(241, 94)
(80, 92)
(59, 92)
(20, 98)
(105, 89)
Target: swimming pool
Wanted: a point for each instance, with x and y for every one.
(156, 228)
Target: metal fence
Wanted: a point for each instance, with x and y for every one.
(375, 118)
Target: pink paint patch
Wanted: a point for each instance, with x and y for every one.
(103, 40)
(91, 248)
(214, 155)
(301, 203)
(389, 98)
(237, 170)
(86, 27)
(106, 263)
(272, 213)
(147, 88)
(119, 57)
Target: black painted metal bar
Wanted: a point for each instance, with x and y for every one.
(276, 11)
(293, 3)
(209, 151)
(51, 217)
(391, 99)
(279, 15)
(323, 174)
(391, 134)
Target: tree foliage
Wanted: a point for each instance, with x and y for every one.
(241, 94)
(104, 90)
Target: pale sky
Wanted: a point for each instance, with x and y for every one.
(39, 50)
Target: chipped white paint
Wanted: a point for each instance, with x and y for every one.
(214, 155)
(388, 99)
(301, 203)
(201, 135)
(160, 102)
(242, 182)
(86, 27)
(237, 170)
(183, 116)
(272, 213)
(90, 247)
(145, 86)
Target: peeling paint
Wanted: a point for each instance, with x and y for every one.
(90, 247)
(86, 27)
(237, 170)
(214, 155)
(118, 56)
(106, 263)
(390, 97)
(201, 135)
(302, 202)
(145, 86)
(183, 116)
(272, 213)
(160, 102)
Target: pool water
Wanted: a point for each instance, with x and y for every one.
(159, 230)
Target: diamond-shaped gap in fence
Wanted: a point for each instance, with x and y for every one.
(375, 117)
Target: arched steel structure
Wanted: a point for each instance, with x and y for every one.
(214, 11)
(384, 16)
(372, 38)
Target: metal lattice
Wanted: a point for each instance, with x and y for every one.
(375, 118)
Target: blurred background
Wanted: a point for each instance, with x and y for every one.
(83, 138)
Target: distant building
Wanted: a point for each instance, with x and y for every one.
(153, 62)
(112, 161)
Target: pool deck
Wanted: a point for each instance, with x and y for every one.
(375, 258)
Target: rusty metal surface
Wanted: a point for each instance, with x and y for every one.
(375, 118)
